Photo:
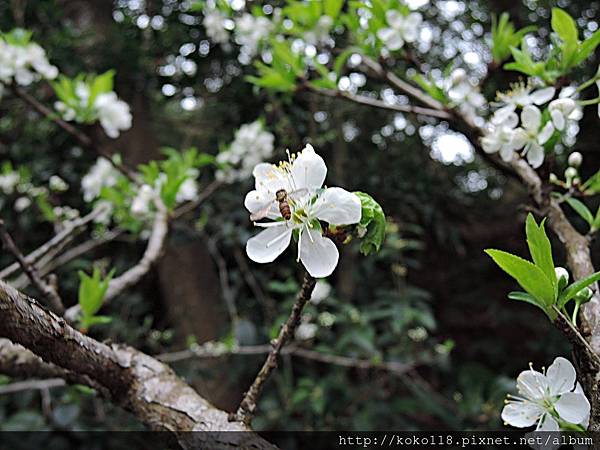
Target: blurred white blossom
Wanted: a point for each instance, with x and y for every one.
(24, 63)
(401, 29)
(9, 181)
(250, 31)
(252, 145)
(113, 113)
(214, 23)
(101, 174)
(321, 292)
(141, 203)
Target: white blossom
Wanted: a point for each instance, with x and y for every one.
(520, 96)
(464, 94)
(101, 174)
(306, 331)
(499, 137)
(320, 292)
(187, 191)
(250, 31)
(548, 399)
(214, 23)
(401, 29)
(24, 63)
(141, 203)
(22, 203)
(113, 113)
(575, 159)
(56, 183)
(252, 145)
(531, 136)
(333, 205)
(9, 181)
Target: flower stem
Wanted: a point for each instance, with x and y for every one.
(247, 406)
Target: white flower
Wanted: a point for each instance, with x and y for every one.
(214, 23)
(24, 63)
(56, 183)
(462, 92)
(401, 29)
(251, 146)
(532, 135)
(101, 174)
(22, 203)
(334, 205)
(105, 214)
(113, 113)
(520, 96)
(548, 399)
(319, 34)
(320, 292)
(306, 331)
(250, 31)
(187, 191)
(140, 205)
(499, 137)
(9, 181)
(561, 110)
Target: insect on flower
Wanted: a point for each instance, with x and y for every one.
(283, 199)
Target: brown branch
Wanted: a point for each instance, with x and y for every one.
(132, 276)
(73, 228)
(376, 103)
(395, 368)
(248, 405)
(83, 139)
(46, 289)
(31, 385)
(129, 378)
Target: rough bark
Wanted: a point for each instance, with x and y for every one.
(129, 378)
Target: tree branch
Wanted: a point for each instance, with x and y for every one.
(131, 379)
(248, 405)
(46, 289)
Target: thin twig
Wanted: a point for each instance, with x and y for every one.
(376, 103)
(565, 325)
(29, 385)
(83, 139)
(72, 228)
(248, 405)
(46, 289)
(396, 368)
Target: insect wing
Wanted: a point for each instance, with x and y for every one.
(262, 213)
(298, 194)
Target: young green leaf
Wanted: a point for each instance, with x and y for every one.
(372, 224)
(564, 25)
(581, 209)
(528, 275)
(571, 291)
(540, 248)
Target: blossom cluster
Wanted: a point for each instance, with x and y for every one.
(302, 179)
(84, 106)
(465, 94)
(528, 132)
(23, 61)
(552, 399)
(252, 145)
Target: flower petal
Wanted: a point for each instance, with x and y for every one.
(547, 423)
(531, 118)
(318, 254)
(338, 207)
(546, 133)
(256, 201)
(532, 384)
(269, 244)
(394, 18)
(542, 96)
(535, 154)
(308, 170)
(561, 376)
(269, 177)
(558, 119)
(521, 414)
(572, 407)
(519, 139)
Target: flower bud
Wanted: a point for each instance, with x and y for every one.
(584, 295)
(563, 277)
(575, 159)
(570, 173)
(553, 178)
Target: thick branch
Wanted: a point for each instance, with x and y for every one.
(131, 379)
(248, 404)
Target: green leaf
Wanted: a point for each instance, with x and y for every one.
(332, 7)
(372, 222)
(528, 275)
(572, 290)
(525, 297)
(587, 47)
(540, 249)
(581, 209)
(564, 25)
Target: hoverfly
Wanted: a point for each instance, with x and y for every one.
(283, 199)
